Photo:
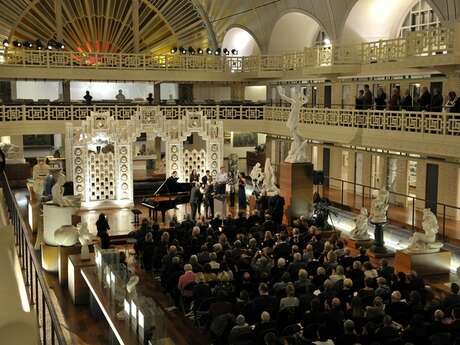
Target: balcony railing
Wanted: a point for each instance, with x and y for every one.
(446, 124)
(38, 292)
(419, 43)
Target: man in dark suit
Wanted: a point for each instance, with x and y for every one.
(195, 197)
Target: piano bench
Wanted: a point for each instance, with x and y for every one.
(136, 212)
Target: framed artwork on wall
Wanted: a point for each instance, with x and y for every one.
(244, 139)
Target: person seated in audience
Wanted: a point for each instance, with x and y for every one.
(453, 300)
(185, 280)
(240, 329)
(290, 300)
(398, 309)
(263, 326)
(349, 336)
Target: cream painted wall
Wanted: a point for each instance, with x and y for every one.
(373, 20)
(216, 93)
(293, 32)
(255, 93)
(108, 90)
(241, 40)
(37, 89)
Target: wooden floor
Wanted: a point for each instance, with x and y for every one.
(401, 216)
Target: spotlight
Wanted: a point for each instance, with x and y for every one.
(191, 51)
(234, 51)
(27, 44)
(199, 51)
(173, 50)
(50, 44)
(60, 45)
(5, 43)
(209, 51)
(39, 44)
(17, 44)
(182, 50)
(218, 51)
(226, 52)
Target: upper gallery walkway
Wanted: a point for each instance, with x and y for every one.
(430, 133)
(434, 49)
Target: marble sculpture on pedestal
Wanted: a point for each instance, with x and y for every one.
(66, 235)
(298, 152)
(379, 206)
(360, 232)
(257, 176)
(269, 186)
(58, 197)
(84, 237)
(426, 242)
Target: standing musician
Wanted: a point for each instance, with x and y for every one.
(221, 180)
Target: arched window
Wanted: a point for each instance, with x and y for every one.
(421, 17)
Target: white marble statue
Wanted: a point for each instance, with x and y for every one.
(57, 193)
(268, 185)
(10, 150)
(85, 237)
(257, 176)
(360, 232)
(66, 235)
(426, 242)
(297, 153)
(379, 206)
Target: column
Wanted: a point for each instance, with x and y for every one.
(5, 91)
(157, 92)
(420, 184)
(449, 189)
(335, 168)
(237, 92)
(348, 169)
(65, 94)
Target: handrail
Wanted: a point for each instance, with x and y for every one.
(434, 123)
(444, 206)
(436, 41)
(37, 288)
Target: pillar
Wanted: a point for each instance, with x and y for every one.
(5, 91)
(348, 169)
(335, 167)
(237, 92)
(65, 95)
(157, 93)
(449, 189)
(158, 152)
(420, 184)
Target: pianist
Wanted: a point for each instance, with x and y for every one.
(171, 182)
(221, 180)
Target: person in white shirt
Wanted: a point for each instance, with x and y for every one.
(221, 180)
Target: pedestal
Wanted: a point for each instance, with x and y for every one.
(379, 245)
(54, 217)
(296, 187)
(425, 264)
(78, 289)
(64, 253)
(357, 244)
(220, 207)
(50, 257)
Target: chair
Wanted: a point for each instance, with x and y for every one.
(201, 312)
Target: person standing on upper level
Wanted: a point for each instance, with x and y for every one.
(381, 99)
(453, 103)
(424, 101)
(367, 100)
(437, 101)
(88, 98)
(393, 103)
(120, 97)
(406, 101)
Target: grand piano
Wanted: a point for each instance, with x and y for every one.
(167, 195)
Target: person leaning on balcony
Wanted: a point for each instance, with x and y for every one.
(381, 99)
(424, 102)
(395, 99)
(367, 100)
(406, 101)
(453, 103)
(88, 98)
(437, 101)
(150, 99)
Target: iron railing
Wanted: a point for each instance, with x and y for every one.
(361, 196)
(35, 282)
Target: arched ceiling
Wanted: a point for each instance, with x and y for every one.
(106, 25)
(165, 23)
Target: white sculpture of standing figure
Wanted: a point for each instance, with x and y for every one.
(360, 232)
(426, 242)
(269, 179)
(379, 206)
(57, 193)
(84, 237)
(257, 176)
(10, 150)
(297, 153)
